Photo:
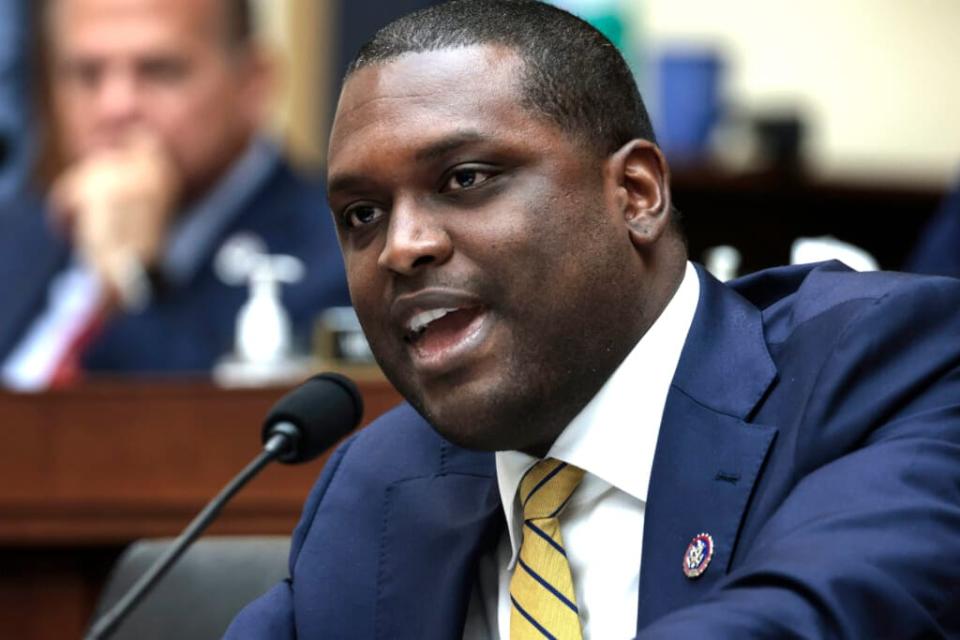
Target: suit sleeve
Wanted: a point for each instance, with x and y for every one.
(865, 544)
(271, 616)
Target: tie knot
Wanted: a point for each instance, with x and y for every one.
(546, 487)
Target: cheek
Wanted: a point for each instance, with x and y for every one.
(367, 285)
(200, 105)
(537, 245)
(362, 273)
(567, 263)
(200, 135)
(74, 115)
(185, 117)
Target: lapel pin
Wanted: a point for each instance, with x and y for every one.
(698, 555)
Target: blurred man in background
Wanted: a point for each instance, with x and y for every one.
(156, 108)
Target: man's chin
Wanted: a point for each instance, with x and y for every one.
(490, 426)
(478, 409)
(467, 423)
(473, 437)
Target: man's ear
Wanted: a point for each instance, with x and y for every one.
(641, 181)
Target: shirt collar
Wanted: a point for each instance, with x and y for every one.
(614, 437)
(201, 225)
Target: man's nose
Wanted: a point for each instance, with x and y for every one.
(118, 99)
(416, 238)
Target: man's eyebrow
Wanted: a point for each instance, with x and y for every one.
(345, 183)
(445, 145)
(351, 182)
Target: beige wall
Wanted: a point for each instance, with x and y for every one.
(298, 33)
(880, 77)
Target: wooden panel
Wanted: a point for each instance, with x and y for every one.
(84, 472)
(109, 463)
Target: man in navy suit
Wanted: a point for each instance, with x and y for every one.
(773, 459)
(157, 106)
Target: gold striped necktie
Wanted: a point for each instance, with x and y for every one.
(544, 604)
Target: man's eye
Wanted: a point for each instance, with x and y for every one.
(85, 74)
(361, 215)
(465, 179)
(163, 70)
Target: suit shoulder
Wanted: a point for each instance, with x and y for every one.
(401, 445)
(789, 297)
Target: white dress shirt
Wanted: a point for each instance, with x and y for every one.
(613, 439)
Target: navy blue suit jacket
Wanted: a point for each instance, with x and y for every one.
(812, 427)
(188, 327)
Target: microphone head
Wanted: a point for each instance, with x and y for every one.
(322, 410)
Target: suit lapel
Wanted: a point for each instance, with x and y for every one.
(435, 529)
(708, 456)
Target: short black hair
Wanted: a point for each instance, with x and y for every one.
(572, 74)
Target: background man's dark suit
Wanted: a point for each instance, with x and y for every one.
(187, 327)
(811, 428)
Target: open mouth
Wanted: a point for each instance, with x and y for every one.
(440, 327)
(443, 339)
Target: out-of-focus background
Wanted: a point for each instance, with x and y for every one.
(787, 119)
(783, 120)
(795, 132)
(871, 81)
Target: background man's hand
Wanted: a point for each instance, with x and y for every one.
(117, 205)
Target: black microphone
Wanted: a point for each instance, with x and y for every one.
(312, 417)
(299, 427)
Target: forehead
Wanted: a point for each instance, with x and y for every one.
(418, 98)
(112, 24)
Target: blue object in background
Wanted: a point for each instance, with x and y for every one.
(688, 105)
(16, 139)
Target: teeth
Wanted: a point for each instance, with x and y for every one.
(420, 321)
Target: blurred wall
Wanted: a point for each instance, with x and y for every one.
(314, 40)
(877, 77)
(301, 35)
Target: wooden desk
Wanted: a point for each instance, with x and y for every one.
(85, 472)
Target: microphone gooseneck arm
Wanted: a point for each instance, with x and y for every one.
(301, 425)
(282, 440)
